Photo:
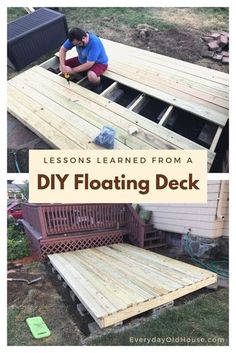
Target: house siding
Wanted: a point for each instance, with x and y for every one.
(201, 219)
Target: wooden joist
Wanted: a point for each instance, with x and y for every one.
(119, 281)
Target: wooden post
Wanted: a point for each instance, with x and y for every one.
(42, 222)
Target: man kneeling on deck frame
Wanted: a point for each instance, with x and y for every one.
(92, 57)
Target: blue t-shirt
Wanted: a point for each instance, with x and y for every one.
(93, 51)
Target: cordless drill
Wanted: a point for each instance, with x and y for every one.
(67, 77)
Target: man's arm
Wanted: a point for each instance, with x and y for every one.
(62, 58)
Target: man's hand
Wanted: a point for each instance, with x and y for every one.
(61, 67)
(67, 69)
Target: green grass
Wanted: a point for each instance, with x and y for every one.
(115, 18)
(205, 317)
(198, 319)
(213, 11)
(118, 21)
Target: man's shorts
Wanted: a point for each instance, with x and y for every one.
(98, 69)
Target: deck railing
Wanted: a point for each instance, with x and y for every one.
(135, 226)
(33, 214)
(58, 219)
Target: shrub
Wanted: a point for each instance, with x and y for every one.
(17, 244)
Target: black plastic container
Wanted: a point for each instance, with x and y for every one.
(34, 35)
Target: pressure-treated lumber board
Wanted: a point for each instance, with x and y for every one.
(176, 139)
(196, 89)
(85, 112)
(65, 130)
(171, 76)
(216, 138)
(119, 281)
(153, 79)
(82, 109)
(115, 48)
(177, 100)
(161, 133)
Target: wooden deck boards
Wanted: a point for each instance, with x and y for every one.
(70, 117)
(119, 281)
(199, 90)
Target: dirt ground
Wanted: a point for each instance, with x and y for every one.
(174, 32)
(46, 298)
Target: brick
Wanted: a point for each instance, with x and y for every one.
(225, 34)
(217, 57)
(225, 53)
(222, 41)
(225, 60)
(207, 39)
(213, 45)
(215, 35)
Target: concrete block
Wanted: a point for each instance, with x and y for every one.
(213, 286)
(223, 282)
(81, 309)
(217, 57)
(72, 295)
(213, 45)
(157, 311)
(94, 328)
(120, 323)
(64, 285)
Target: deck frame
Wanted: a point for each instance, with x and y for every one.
(110, 297)
(40, 99)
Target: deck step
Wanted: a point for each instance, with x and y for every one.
(154, 246)
(154, 238)
(150, 231)
(148, 227)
